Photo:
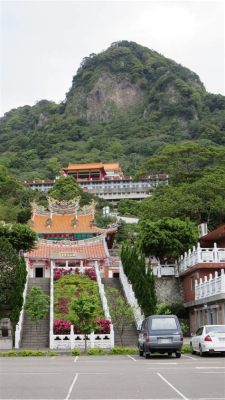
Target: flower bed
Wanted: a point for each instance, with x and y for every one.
(66, 289)
(60, 272)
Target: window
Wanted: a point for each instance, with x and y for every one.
(164, 323)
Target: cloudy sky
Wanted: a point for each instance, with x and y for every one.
(43, 42)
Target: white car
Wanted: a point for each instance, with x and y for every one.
(208, 339)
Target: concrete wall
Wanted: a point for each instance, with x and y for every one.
(169, 290)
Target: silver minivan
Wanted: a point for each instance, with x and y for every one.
(160, 334)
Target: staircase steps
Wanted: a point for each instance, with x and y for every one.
(130, 335)
(36, 336)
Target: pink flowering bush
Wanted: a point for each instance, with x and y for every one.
(90, 272)
(61, 327)
(103, 326)
(63, 306)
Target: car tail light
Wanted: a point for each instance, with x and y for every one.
(208, 339)
(181, 338)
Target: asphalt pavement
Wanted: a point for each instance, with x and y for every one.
(113, 377)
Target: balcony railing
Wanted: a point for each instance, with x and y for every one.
(165, 270)
(210, 285)
(201, 255)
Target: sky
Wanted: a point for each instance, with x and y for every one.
(43, 42)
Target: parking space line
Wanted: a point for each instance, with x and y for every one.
(71, 386)
(132, 358)
(210, 367)
(192, 358)
(173, 387)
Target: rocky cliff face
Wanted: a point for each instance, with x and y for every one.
(108, 95)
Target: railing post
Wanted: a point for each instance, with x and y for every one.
(72, 336)
(215, 252)
(112, 343)
(92, 340)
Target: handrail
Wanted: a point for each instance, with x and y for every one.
(19, 325)
(130, 296)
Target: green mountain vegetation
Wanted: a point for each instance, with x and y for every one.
(124, 104)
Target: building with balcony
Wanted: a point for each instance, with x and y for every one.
(202, 273)
(105, 180)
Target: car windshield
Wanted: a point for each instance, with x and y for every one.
(163, 323)
(215, 328)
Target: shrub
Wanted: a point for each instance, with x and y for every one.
(8, 354)
(96, 352)
(75, 352)
(61, 327)
(103, 326)
(90, 272)
(123, 350)
(63, 306)
(186, 348)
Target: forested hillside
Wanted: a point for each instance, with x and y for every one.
(124, 104)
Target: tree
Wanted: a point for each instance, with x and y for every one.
(37, 305)
(65, 188)
(168, 237)
(201, 200)
(21, 236)
(121, 313)
(185, 161)
(85, 309)
(9, 263)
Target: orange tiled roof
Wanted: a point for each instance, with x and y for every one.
(64, 224)
(112, 166)
(93, 251)
(85, 166)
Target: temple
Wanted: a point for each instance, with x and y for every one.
(65, 220)
(94, 171)
(106, 180)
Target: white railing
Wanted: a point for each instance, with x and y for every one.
(130, 296)
(210, 285)
(102, 293)
(201, 255)
(51, 330)
(19, 325)
(75, 340)
(165, 270)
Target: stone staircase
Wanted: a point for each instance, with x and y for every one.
(32, 336)
(130, 336)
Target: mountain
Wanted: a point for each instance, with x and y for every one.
(124, 104)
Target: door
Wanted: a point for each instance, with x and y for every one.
(39, 272)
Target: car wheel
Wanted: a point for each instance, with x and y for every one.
(169, 353)
(201, 353)
(140, 352)
(191, 349)
(178, 355)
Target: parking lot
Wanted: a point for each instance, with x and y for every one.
(113, 377)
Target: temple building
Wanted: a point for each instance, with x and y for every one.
(106, 180)
(65, 220)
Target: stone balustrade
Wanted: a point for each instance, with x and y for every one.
(19, 325)
(75, 340)
(102, 293)
(130, 296)
(201, 255)
(165, 270)
(210, 286)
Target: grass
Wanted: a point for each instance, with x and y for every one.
(28, 353)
